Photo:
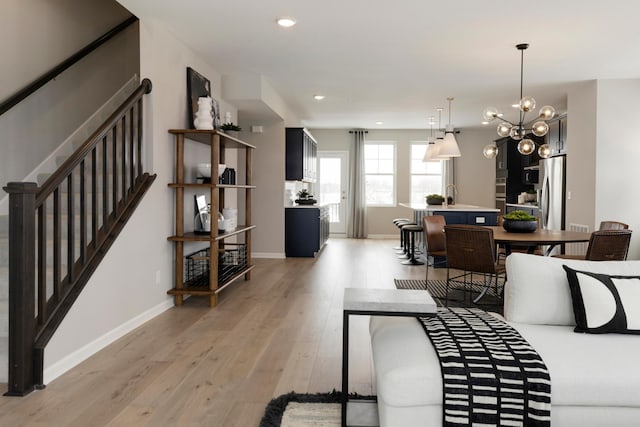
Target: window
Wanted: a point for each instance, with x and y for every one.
(379, 169)
(426, 177)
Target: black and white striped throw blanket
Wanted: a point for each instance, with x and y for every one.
(491, 375)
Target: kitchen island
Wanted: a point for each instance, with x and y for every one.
(455, 214)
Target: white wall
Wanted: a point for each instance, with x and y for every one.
(581, 154)
(475, 175)
(617, 155)
(130, 285)
(37, 35)
(602, 155)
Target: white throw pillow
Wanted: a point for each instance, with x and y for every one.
(537, 290)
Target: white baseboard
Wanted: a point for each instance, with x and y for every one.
(55, 370)
(271, 255)
(382, 236)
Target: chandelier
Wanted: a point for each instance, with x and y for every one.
(518, 131)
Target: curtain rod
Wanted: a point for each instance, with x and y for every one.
(352, 131)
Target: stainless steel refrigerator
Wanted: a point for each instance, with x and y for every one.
(552, 187)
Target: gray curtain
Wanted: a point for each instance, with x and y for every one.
(357, 227)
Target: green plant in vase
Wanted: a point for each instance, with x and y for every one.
(519, 221)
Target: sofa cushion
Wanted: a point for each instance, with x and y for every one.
(537, 289)
(604, 303)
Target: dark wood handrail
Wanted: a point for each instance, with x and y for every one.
(19, 96)
(81, 153)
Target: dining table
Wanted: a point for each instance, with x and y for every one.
(539, 237)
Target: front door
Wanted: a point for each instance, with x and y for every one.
(333, 187)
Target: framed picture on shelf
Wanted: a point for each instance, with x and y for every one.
(197, 86)
(216, 114)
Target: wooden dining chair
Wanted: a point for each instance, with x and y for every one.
(433, 228)
(613, 225)
(605, 245)
(471, 248)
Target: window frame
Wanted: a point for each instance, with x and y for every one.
(394, 174)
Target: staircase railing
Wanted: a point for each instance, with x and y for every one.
(23, 93)
(59, 233)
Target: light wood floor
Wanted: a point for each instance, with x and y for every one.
(193, 366)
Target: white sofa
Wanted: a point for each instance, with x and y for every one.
(595, 378)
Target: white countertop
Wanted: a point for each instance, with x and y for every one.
(457, 207)
(523, 205)
(305, 206)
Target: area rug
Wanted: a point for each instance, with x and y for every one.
(438, 290)
(306, 410)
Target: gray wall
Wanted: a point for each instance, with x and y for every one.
(37, 36)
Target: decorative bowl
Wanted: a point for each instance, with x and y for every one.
(515, 226)
(434, 200)
(204, 170)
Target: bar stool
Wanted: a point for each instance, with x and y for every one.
(399, 222)
(410, 237)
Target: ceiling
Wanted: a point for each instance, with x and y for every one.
(397, 61)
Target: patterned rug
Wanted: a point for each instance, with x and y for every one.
(458, 297)
(306, 410)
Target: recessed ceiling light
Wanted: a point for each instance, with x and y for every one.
(379, 122)
(318, 97)
(286, 22)
(485, 122)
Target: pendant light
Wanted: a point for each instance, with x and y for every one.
(432, 147)
(449, 147)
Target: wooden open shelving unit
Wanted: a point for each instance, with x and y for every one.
(218, 142)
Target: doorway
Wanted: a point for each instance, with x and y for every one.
(333, 181)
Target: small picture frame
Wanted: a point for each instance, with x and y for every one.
(197, 86)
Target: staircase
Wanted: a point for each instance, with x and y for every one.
(62, 230)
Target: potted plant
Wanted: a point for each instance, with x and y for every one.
(305, 198)
(230, 129)
(519, 222)
(434, 199)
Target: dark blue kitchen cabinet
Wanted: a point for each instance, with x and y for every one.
(468, 217)
(306, 230)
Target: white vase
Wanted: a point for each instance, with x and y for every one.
(204, 118)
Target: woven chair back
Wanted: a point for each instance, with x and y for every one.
(470, 248)
(608, 245)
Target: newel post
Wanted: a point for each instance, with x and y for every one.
(22, 291)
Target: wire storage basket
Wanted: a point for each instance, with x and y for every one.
(232, 259)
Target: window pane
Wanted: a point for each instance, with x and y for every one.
(421, 185)
(371, 166)
(434, 167)
(370, 151)
(385, 166)
(379, 189)
(386, 151)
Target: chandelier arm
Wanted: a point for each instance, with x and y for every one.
(505, 120)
